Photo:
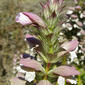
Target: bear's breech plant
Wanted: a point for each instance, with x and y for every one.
(46, 44)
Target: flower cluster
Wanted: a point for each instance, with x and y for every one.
(74, 27)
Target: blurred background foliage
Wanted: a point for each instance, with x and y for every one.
(12, 34)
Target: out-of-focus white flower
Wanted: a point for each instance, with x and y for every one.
(61, 80)
(63, 25)
(81, 15)
(30, 76)
(78, 34)
(75, 26)
(21, 18)
(82, 57)
(69, 12)
(80, 51)
(72, 81)
(61, 33)
(75, 20)
(80, 46)
(69, 28)
(84, 22)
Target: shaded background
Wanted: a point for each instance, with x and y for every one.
(12, 34)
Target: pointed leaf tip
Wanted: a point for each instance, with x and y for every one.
(66, 71)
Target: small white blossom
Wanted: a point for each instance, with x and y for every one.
(63, 25)
(78, 34)
(75, 20)
(73, 54)
(80, 51)
(76, 26)
(72, 81)
(81, 15)
(61, 33)
(70, 28)
(84, 22)
(82, 57)
(80, 46)
(79, 12)
(61, 80)
(69, 12)
(30, 76)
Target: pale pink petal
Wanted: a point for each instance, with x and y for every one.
(44, 82)
(29, 36)
(83, 49)
(33, 64)
(66, 71)
(78, 7)
(74, 16)
(82, 31)
(69, 46)
(79, 23)
(23, 19)
(76, 1)
(72, 8)
(17, 81)
(60, 2)
(34, 18)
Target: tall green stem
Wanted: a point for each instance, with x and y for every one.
(47, 69)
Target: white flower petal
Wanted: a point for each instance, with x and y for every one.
(73, 54)
(30, 76)
(78, 34)
(61, 80)
(18, 68)
(81, 15)
(72, 81)
(70, 28)
(23, 19)
(69, 12)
